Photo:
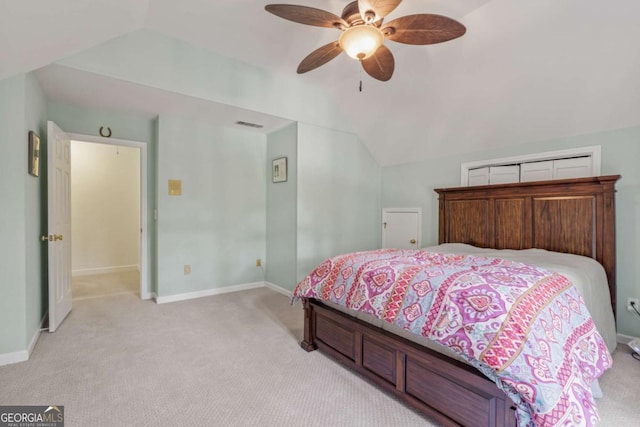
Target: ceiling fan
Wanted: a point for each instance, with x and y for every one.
(363, 34)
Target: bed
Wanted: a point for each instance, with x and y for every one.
(575, 216)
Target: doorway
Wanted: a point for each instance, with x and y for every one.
(109, 197)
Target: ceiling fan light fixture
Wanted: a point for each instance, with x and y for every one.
(361, 41)
(362, 34)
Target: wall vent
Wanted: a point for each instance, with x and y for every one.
(249, 124)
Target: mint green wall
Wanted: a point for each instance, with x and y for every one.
(152, 59)
(13, 173)
(329, 205)
(218, 225)
(35, 215)
(129, 127)
(281, 210)
(155, 60)
(87, 121)
(338, 197)
(22, 258)
(413, 184)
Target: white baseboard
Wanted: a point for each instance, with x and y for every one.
(36, 334)
(624, 339)
(278, 289)
(23, 355)
(148, 295)
(208, 292)
(15, 357)
(105, 270)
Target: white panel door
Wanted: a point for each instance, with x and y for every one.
(401, 228)
(59, 224)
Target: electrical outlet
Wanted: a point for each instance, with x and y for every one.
(258, 262)
(631, 302)
(187, 270)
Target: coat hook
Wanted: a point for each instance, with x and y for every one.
(103, 135)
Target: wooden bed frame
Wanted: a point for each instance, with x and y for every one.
(575, 216)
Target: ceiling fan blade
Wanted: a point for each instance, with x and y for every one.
(380, 65)
(307, 15)
(319, 57)
(423, 29)
(381, 8)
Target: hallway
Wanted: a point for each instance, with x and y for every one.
(99, 285)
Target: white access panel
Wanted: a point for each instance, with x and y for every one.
(401, 228)
(536, 171)
(479, 176)
(579, 167)
(504, 174)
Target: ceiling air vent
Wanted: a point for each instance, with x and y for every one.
(248, 124)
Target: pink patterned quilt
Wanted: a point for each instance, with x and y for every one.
(525, 328)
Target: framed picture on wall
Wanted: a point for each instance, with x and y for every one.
(34, 154)
(279, 170)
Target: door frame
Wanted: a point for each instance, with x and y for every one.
(403, 210)
(145, 288)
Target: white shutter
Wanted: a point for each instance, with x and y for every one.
(504, 174)
(536, 171)
(579, 167)
(479, 176)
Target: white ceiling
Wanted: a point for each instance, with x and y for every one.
(524, 71)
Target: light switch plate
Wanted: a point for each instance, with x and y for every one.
(175, 187)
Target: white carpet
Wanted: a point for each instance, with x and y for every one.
(226, 360)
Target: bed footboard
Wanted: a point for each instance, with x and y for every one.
(446, 390)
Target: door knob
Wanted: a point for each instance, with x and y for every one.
(413, 241)
(46, 238)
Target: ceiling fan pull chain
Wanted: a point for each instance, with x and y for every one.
(360, 80)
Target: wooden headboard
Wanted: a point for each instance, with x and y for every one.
(575, 216)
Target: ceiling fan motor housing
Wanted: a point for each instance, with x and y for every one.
(351, 13)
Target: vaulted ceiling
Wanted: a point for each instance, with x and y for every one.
(525, 70)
